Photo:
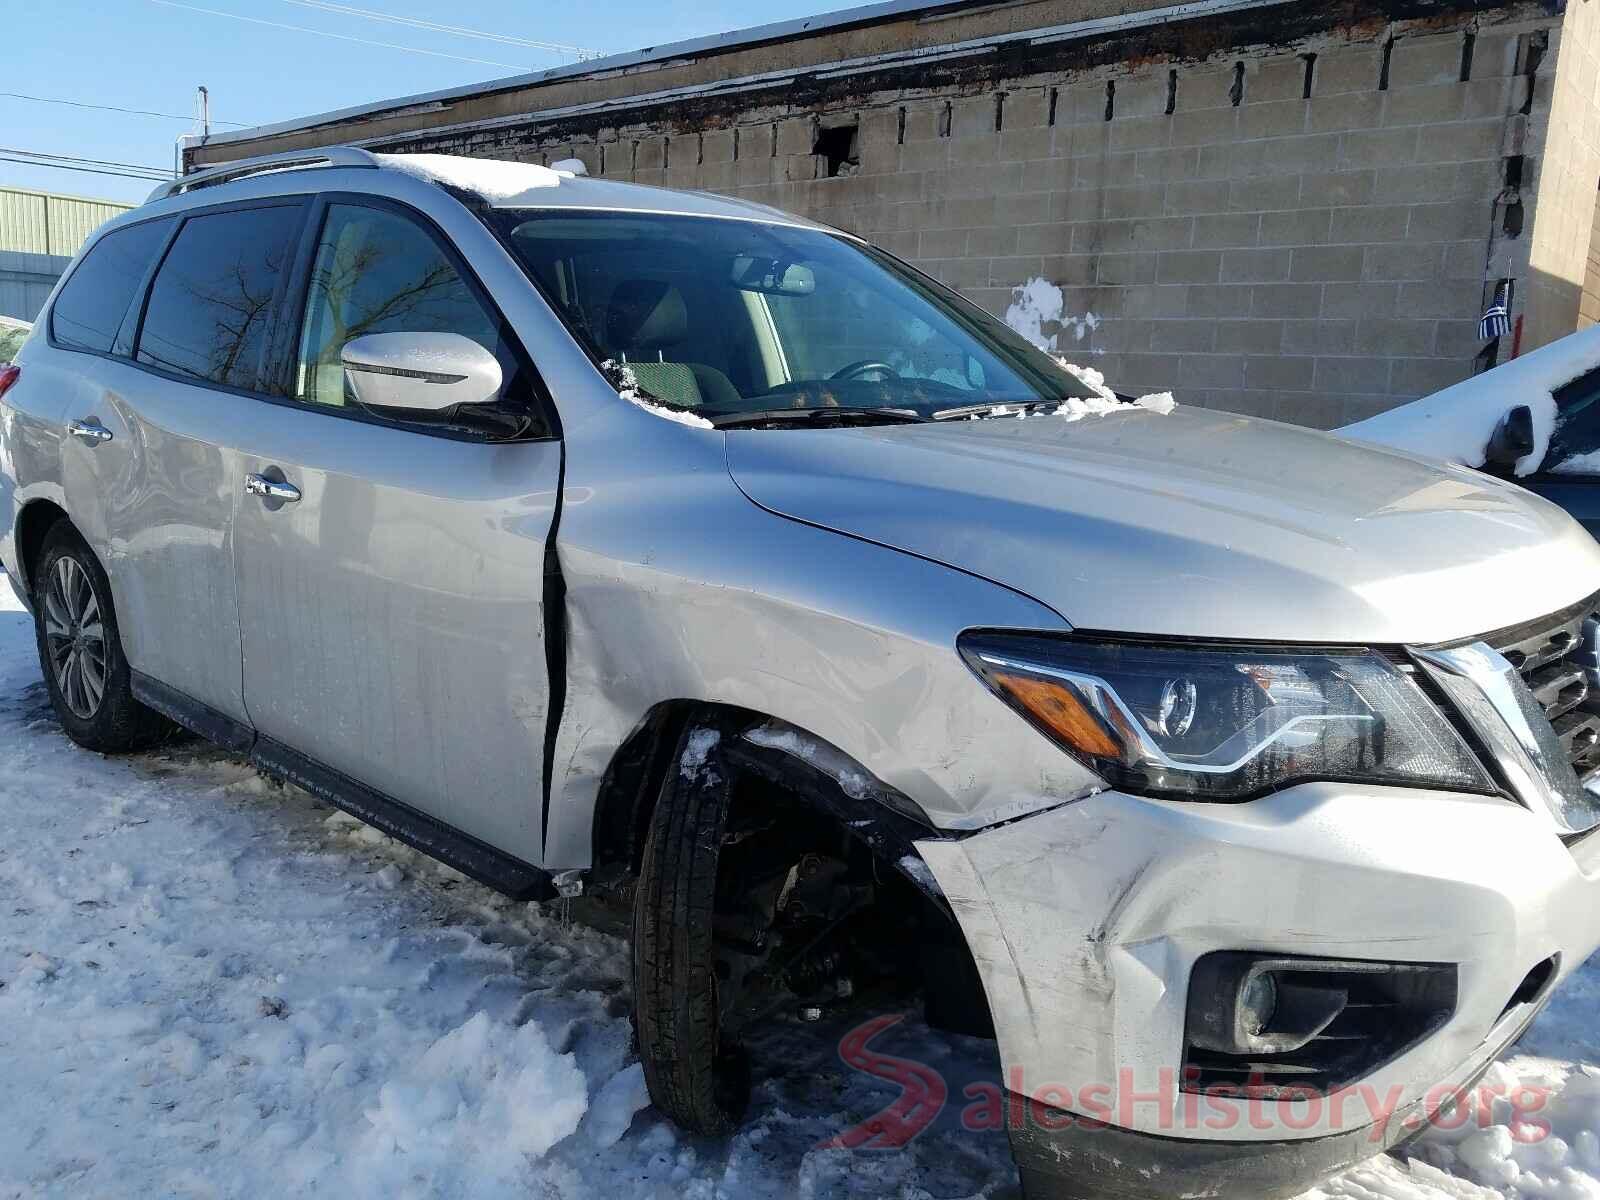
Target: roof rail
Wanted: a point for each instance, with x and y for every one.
(332, 156)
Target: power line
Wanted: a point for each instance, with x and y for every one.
(56, 166)
(342, 37)
(454, 30)
(72, 162)
(137, 112)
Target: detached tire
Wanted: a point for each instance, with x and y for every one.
(694, 1075)
(80, 650)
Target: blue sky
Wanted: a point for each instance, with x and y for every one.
(151, 54)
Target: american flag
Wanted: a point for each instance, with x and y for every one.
(1496, 322)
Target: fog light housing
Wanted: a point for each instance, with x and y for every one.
(1262, 1024)
(1258, 1004)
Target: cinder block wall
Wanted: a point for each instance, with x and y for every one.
(1308, 230)
(1567, 146)
(1308, 235)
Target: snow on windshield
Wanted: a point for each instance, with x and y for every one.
(1458, 423)
(497, 181)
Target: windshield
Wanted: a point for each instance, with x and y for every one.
(735, 319)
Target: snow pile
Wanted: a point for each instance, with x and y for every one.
(1038, 303)
(507, 184)
(621, 377)
(1458, 423)
(570, 166)
(1105, 400)
(487, 1093)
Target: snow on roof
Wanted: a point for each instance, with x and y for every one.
(1458, 423)
(498, 181)
(506, 184)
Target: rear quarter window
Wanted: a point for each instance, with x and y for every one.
(96, 297)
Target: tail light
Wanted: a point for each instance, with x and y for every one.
(9, 374)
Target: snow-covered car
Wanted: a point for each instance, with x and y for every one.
(12, 334)
(670, 549)
(1535, 420)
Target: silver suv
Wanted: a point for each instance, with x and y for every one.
(596, 538)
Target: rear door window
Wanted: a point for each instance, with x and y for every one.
(95, 299)
(211, 305)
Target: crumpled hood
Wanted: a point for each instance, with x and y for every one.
(1195, 524)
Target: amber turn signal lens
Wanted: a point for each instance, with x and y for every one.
(1058, 708)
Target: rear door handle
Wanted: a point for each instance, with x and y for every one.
(271, 489)
(90, 431)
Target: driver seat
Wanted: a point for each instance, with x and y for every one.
(644, 319)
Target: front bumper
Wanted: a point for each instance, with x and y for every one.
(1085, 923)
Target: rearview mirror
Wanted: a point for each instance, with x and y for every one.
(769, 275)
(1513, 438)
(420, 372)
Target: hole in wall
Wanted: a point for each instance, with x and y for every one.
(839, 148)
(900, 133)
(1236, 92)
(1531, 51)
(1469, 48)
(1172, 92)
(1311, 75)
(944, 120)
(1388, 65)
(1111, 99)
(1055, 96)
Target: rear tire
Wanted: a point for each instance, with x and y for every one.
(80, 650)
(694, 1075)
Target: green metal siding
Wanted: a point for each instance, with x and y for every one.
(38, 223)
(39, 234)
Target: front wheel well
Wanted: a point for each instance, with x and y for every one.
(34, 523)
(809, 797)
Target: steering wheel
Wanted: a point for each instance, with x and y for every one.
(860, 368)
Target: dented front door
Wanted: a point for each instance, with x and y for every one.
(392, 616)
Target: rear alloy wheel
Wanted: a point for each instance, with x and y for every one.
(75, 637)
(80, 651)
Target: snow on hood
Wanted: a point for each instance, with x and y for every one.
(1458, 423)
(1105, 400)
(500, 182)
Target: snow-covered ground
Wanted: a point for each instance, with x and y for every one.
(210, 986)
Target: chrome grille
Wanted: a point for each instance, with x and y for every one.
(1557, 657)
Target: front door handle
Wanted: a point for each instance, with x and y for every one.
(271, 489)
(90, 431)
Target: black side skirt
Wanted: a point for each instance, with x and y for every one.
(474, 859)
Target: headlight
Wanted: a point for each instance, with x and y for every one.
(1213, 723)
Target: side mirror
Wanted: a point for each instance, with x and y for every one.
(1513, 439)
(420, 372)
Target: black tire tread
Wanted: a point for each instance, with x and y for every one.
(122, 724)
(675, 991)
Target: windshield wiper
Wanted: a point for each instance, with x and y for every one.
(818, 416)
(995, 409)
